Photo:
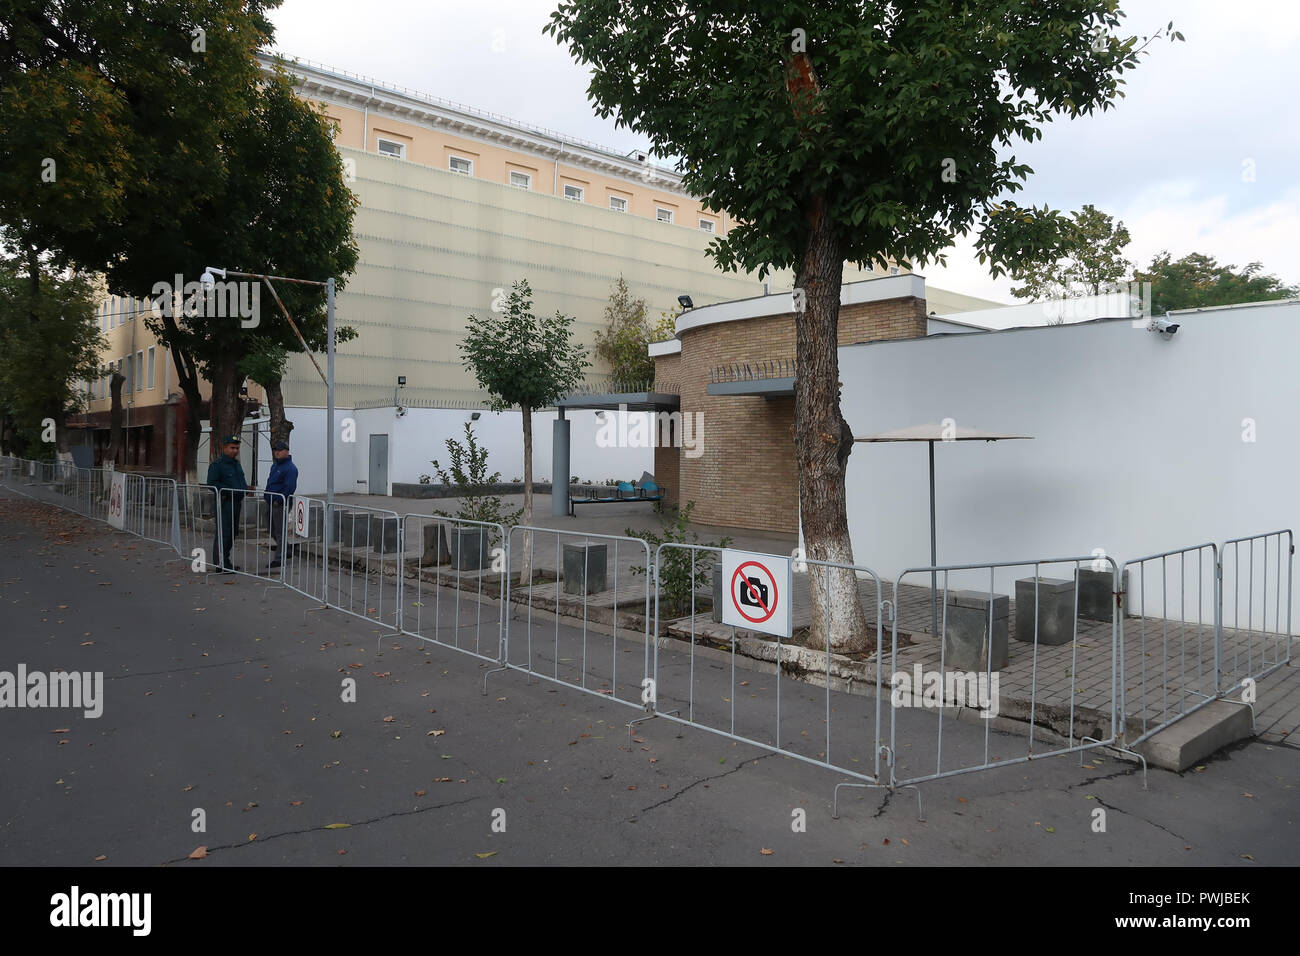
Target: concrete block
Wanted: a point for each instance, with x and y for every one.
(434, 550)
(967, 643)
(1055, 600)
(1197, 736)
(383, 533)
(1096, 598)
(470, 548)
(351, 529)
(586, 562)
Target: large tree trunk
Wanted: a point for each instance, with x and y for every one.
(280, 426)
(115, 416)
(227, 414)
(823, 440)
(526, 571)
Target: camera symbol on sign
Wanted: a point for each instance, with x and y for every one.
(755, 595)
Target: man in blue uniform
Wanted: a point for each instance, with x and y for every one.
(282, 481)
(227, 473)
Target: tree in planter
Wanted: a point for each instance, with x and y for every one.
(525, 362)
(858, 130)
(469, 476)
(676, 583)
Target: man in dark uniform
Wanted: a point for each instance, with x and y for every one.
(227, 473)
(282, 481)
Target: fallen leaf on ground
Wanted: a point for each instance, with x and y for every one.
(295, 803)
(337, 826)
(484, 856)
(61, 730)
(199, 853)
(442, 779)
(765, 851)
(100, 858)
(389, 720)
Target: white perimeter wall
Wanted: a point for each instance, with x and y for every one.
(1138, 444)
(419, 436)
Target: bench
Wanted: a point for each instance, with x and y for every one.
(625, 491)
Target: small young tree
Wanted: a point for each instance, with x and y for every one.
(1092, 243)
(525, 362)
(622, 344)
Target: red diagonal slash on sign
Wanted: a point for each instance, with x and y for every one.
(767, 611)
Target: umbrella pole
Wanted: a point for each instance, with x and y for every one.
(934, 575)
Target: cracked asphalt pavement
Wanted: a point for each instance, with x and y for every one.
(223, 705)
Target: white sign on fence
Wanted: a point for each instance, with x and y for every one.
(757, 592)
(301, 517)
(117, 502)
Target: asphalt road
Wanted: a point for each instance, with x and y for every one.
(224, 698)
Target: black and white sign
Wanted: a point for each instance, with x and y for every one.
(301, 517)
(756, 592)
(117, 502)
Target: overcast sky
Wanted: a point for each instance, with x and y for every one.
(1203, 154)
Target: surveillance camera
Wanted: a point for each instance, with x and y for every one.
(209, 278)
(1163, 326)
(401, 411)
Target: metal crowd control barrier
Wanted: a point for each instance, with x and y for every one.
(243, 532)
(1250, 596)
(756, 704)
(597, 608)
(453, 573)
(1058, 679)
(151, 510)
(363, 570)
(196, 511)
(304, 555)
(1170, 636)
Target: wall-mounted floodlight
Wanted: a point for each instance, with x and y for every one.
(475, 416)
(401, 381)
(685, 302)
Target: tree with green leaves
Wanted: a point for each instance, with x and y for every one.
(622, 343)
(49, 341)
(1093, 263)
(285, 210)
(1197, 281)
(858, 130)
(153, 145)
(523, 362)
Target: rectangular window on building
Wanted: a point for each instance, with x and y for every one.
(458, 164)
(151, 366)
(706, 225)
(521, 180)
(388, 147)
(664, 215)
(573, 192)
(618, 203)
(139, 371)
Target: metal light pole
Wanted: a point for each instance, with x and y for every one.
(328, 378)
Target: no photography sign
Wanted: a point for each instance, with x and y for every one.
(758, 592)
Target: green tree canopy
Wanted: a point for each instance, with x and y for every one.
(1093, 244)
(49, 342)
(623, 342)
(859, 130)
(1198, 281)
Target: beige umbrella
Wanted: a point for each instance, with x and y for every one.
(932, 434)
